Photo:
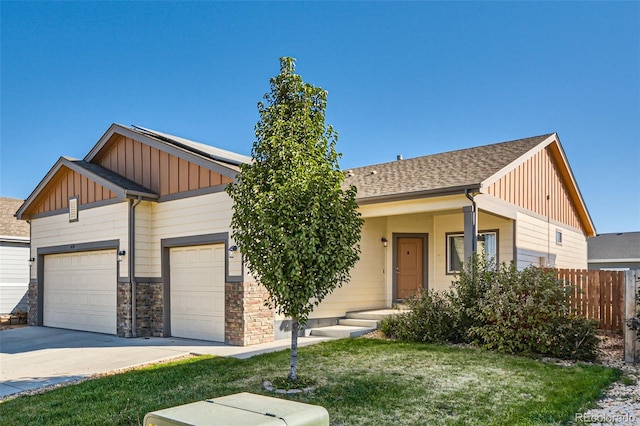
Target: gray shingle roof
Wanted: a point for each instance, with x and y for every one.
(9, 225)
(449, 171)
(623, 245)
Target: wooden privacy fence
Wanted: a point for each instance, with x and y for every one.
(597, 295)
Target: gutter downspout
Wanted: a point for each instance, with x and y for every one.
(31, 256)
(470, 229)
(132, 261)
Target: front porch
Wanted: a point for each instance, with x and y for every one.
(405, 253)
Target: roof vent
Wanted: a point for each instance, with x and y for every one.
(373, 172)
(350, 173)
(399, 157)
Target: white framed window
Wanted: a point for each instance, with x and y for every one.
(558, 237)
(487, 249)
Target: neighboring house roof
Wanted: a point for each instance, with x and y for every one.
(448, 172)
(616, 247)
(10, 227)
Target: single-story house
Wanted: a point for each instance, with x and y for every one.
(14, 258)
(615, 251)
(135, 238)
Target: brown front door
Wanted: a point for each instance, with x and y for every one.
(409, 266)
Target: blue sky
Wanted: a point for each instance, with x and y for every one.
(410, 78)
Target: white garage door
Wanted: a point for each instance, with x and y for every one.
(80, 291)
(197, 292)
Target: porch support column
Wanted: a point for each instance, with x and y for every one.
(470, 231)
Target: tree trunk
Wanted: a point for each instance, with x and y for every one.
(293, 364)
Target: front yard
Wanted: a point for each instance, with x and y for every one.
(361, 382)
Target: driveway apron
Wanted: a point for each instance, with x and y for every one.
(37, 357)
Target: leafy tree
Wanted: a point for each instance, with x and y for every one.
(297, 229)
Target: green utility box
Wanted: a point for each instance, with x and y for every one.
(241, 409)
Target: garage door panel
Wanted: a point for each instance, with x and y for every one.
(196, 327)
(80, 291)
(197, 292)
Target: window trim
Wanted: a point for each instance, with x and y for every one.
(558, 237)
(448, 235)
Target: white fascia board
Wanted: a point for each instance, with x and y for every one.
(12, 238)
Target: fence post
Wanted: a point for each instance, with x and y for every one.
(631, 344)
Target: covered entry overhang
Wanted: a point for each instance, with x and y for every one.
(446, 201)
(425, 235)
(417, 244)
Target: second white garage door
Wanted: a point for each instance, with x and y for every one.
(80, 291)
(197, 292)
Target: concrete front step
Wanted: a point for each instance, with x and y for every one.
(377, 315)
(359, 322)
(341, 331)
(356, 324)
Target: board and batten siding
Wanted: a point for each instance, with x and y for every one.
(536, 238)
(68, 183)
(192, 216)
(14, 276)
(366, 289)
(161, 172)
(529, 184)
(103, 223)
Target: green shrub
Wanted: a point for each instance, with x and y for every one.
(431, 319)
(467, 289)
(500, 308)
(576, 339)
(528, 312)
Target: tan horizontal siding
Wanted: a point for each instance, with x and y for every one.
(539, 236)
(366, 289)
(144, 248)
(98, 224)
(205, 214)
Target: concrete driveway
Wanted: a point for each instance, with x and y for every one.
(37, 357)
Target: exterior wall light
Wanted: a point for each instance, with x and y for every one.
(31, 260)
(120, 254)
(385, 243)
(232, 251)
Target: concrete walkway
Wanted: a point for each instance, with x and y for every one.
(36, 357)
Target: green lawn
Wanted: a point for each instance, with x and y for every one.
(361, 382)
